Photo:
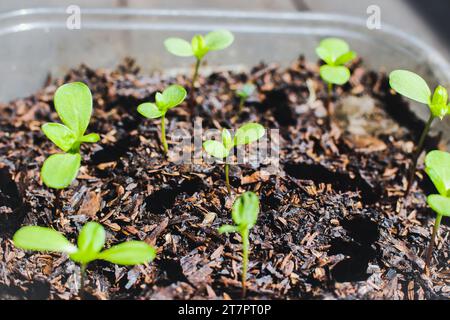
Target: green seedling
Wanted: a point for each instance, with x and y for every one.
(244, 93)
(73, 103)
(336, 54)
(246, 134)
(199, 46)
(415, 88)
(91, 241)
(168, 99)
(437, 166)
(244, 214)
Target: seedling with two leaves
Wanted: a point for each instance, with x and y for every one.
(244, 93)
(415, 88)
(336, 54)
(246, 134)
(438, 169)
(168, 99)
(91, 241)
(244, 214)
(73, 103)
(200, 45)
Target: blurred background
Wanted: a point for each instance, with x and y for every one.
(429, 20)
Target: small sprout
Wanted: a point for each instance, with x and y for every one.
(244, 214)
(415, 88)
(335, 53)
(246, 134)
(170, 98)
(73, 103)
(91, 241)
(199, 46)
(244, 93)
(438, 169)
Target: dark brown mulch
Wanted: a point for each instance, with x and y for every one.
(335, 225)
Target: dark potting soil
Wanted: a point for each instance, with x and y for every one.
(333, 222)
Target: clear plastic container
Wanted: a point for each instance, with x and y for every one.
(36, 42)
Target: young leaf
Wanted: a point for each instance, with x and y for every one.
(228, 229)
(410, 85)
(178, 47)
(335, 75)
(173, 96)
(438, 169)
(216, 149)
(199, 46)
(73, 103)
(60, 135)
(331, 49)
(226, 139)
(439, 101)
(59, 170)
(150, 110)
(219, 40)
(245, 210)
(90, 138)
(129, 253)
(90, 242)
(440, 204)
(248, 133)
(42, 239)
(246, 91)
(345, 58)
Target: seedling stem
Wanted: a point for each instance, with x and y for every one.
(163, 134)
(417, 153)
(245, 250)
(227, 177)
(195, 76)
(430, 250)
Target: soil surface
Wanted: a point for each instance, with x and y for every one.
(334, 223)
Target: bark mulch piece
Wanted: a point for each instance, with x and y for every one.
(333, 223)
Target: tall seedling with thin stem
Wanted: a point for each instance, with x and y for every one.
(245, 214)
(246, 134)
(200, 45)
(415, 88)
(438, 169)
(168, 99)
(91, 241)
(336, 53)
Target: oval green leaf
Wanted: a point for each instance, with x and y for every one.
(246, 91)
(150, 110)
(336, 75)
(437, 166)
(410, 85)
(90, 242)
(173, 96)
(440, 204)
(63, 137)
(248, 133)
(227, 140)
(42, 239)
(179, 47)
(73, 103)
(59, 170)
(215, 149)
(129, 253)
(219, 40)
(245, 210)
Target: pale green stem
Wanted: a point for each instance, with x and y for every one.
(241, 104)
(437, 224)
(245, 252)
(163, 134)
(82, 278)
(227, 177)
(330, 95)
(195, 76)
(417, 153)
